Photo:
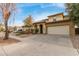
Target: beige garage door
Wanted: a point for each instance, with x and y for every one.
(62, 30)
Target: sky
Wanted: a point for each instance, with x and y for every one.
(38, 11)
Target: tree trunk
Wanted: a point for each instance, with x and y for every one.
(6, 31)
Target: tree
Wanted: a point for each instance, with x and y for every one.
(1, 27)
(28, 22)
(6, 10)
(73, 12)
(15, 28)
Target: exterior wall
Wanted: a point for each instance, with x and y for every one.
(19, 27)
(38, 27)
(72, 30)
(44, 28)
(59, 24)
(57, 17)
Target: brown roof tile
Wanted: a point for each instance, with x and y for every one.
(56, 14)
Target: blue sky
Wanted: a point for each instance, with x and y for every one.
(38, 11)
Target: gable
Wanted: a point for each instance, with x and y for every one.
(57, 17)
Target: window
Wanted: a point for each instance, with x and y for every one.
(54, 19)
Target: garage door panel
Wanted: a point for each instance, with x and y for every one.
(59, 30)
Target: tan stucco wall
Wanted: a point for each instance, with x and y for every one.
(44, 27)
(38, 28)
(58, 18)
(58, 24)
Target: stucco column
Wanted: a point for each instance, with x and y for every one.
(72, 30)
(38, 27)
(33, 27)
(44, 28)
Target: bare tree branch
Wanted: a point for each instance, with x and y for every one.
(6, 10)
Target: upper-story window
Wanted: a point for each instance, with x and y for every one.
(54, 19)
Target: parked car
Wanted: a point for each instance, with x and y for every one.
(18, 31)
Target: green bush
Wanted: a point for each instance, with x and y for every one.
(36, 30)
(33, 31)
(1, 29)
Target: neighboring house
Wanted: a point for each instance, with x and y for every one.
(1, 27)
(14, 28)
(10, 28)
(56, 24)
(18, 28)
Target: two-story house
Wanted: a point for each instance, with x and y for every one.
(56, 24)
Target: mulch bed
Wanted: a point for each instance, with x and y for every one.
(8, 41)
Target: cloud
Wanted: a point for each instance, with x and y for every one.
(18, 24)
(32, 4)
(59, 5)
(19, 10)
(42, 5)
(20, 5)
(45, 5)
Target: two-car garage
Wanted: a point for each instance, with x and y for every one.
(60, 28)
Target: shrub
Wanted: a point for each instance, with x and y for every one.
(36, 30)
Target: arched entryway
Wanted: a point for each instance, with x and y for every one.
(41, 29)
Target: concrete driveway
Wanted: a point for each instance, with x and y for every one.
(40, 45)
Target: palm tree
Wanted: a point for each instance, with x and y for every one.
(6, 10)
